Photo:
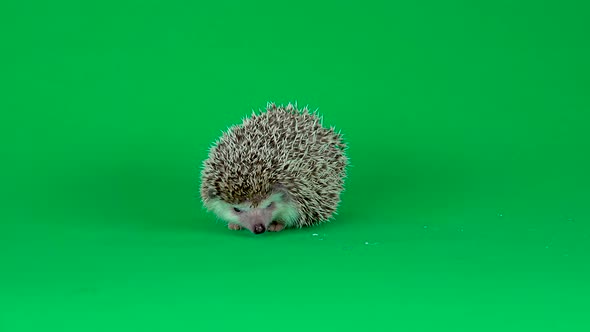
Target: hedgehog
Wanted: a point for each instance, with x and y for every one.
(280, 168)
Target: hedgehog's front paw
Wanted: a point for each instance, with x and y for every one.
(275, 227)
(234, 227)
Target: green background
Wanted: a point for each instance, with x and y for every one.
(466, 207)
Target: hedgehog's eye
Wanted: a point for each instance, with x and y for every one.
(237, 210)
(270, 205)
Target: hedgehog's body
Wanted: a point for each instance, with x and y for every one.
(279, 168)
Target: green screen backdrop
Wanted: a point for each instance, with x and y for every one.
(466, 206)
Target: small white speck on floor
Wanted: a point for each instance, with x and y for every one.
(314, 234)
(425, 226)
(366, 242)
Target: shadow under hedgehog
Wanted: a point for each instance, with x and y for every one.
(279, 168)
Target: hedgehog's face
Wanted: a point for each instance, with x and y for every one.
(255, 217)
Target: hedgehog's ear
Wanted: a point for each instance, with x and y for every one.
(211, 193)
(281, 189)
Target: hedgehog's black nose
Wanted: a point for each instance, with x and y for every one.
(259, 229)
